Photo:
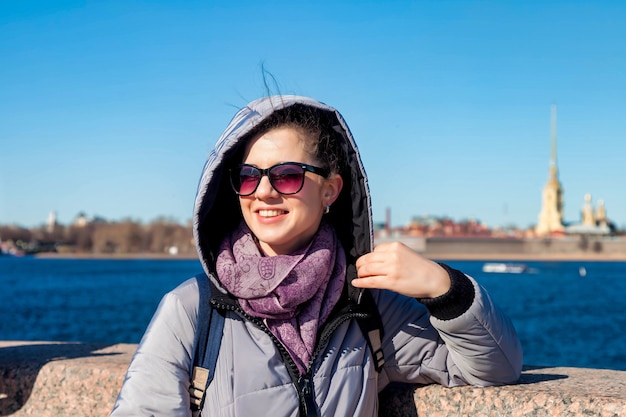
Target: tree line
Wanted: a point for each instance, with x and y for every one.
(161, 236)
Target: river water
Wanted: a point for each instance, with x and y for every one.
(566, 313)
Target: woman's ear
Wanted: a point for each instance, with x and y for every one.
(332, 187)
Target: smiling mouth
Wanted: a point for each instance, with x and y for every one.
(271, 213)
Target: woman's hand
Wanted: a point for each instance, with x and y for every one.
(396, 267)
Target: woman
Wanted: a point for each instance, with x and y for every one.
(283, 228)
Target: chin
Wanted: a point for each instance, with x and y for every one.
(282, 247)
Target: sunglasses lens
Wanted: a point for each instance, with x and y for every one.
(247, 180)
(287, 179)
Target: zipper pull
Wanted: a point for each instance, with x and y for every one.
(308, 407)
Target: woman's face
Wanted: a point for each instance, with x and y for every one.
(285, 223)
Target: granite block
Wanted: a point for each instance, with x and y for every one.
(49, 379)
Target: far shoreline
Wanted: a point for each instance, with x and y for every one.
(113, 256)
(486, 257)
(529, 257)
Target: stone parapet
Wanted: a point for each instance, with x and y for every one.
(61, 379)
(70, 379)
(558, 392)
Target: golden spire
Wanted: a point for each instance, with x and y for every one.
(551, 215)
(554, 174)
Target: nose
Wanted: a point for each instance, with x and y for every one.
(265, 188)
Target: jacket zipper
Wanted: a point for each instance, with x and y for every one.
(303, 383)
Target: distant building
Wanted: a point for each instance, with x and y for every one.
(431, 226)
(51, 223)
(550, 223)
(551, 215)
(81, 220)
(592, 222)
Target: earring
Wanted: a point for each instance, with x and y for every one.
(326, 209)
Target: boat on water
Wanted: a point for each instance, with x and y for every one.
(505, 268)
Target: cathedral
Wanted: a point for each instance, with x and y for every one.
(550, 222)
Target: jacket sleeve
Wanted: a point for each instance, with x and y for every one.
(459, 339)
(157, 380)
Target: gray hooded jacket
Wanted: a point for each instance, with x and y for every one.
(461, 338)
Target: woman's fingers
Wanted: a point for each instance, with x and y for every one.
(396, 267)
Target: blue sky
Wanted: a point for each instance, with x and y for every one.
(111, 107)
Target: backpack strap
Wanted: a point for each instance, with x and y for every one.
(372, 325)
(372, 328)
(208, 337)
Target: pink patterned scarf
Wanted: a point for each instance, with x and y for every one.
(294, 293)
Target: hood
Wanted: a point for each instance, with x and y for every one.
(217, 212)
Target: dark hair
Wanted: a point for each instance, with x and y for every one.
(317, 126)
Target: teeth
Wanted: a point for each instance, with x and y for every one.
(270, 213)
